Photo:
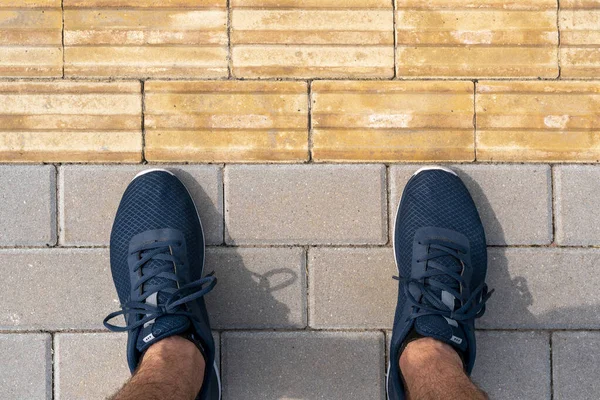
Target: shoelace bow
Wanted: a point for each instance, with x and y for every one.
(472, 305)
(189, 292)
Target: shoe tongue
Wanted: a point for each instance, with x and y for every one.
(167, 325)
(451, 264)
(437, 326)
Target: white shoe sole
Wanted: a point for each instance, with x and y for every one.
(433, 168)
(147, 171)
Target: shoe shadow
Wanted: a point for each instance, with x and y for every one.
(499, 278)
(509, 307)
(257, 288)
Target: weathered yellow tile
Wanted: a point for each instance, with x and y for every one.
(146, 3)
(580, 39)
(477, 4)
(30, 3)
(70, 122)
(312, 3)
(223, 121)
(538, 121)
(146, 39)
(447, 38)
(30, 38)
(585, 4)
(312, 39)
(392, 121)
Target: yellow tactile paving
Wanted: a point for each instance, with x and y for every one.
(226, 121)
(448, 38)
(538, 121)
(392, 121)
(580, 39)
(183, 4)
(70, 122)
(212, 71)
(30, 38)
(328, 38)
(147, 38)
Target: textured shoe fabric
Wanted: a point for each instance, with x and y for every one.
(441, 255)
(157, 261)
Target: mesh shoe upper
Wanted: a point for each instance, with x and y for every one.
(157, 244)
(156, 200)
(440, 199)
(436, 205)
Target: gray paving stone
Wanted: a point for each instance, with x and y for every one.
(28, 212)
(89, 365)
(90, 195)
(26, 371)
(514, 201)
(543, 288)
(513, 365)
(352, 287)
(303, 365)
(55, 289)
(576, 365)
(305, 204)
(577, 203)
(257, 288)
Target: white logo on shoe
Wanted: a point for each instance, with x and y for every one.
(148, 338)
(456, 340)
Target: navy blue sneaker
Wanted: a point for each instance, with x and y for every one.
(441, 255)
(157, 261)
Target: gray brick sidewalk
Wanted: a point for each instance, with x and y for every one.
(305, 300)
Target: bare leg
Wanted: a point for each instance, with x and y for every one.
(432, 370)
(172, 368)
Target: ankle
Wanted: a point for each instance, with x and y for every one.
(173, 359)
(171, 368)
(426, 353)
(175, 351)
(433, 370)
(173, 347)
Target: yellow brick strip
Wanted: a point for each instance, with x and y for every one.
(70, 122)
(146, 40)
(477, 4)
(448, 38)
(30, 38)
(310, 39)
(580, 39)
(30, 3)
(392, 121)
(226, 121)
(146, 3)
(538, 121)
(323, 4)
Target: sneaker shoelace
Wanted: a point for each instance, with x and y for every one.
(441, 277)
(176, 297)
